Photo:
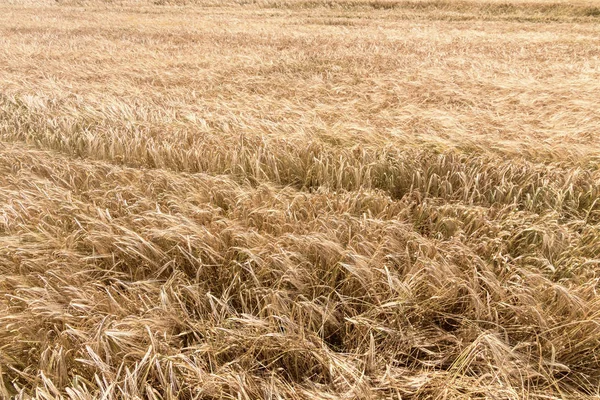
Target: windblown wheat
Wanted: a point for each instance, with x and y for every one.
(299, 199)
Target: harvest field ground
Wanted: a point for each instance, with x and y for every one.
(299, 199)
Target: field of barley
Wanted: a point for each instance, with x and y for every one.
(299, 199)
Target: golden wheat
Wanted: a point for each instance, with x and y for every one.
(206, 199)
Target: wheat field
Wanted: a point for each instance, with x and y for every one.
(299, 199)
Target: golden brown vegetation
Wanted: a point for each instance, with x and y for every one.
(299, 199)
